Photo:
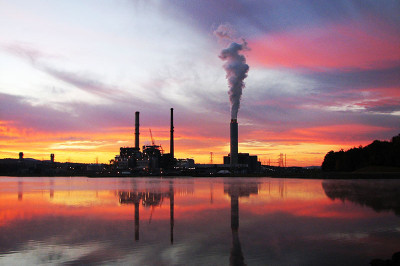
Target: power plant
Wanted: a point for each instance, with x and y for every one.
(152, 159)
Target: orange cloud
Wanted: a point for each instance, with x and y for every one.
(304, 146)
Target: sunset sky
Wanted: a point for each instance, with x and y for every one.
(324, 75)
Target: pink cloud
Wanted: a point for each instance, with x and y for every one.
(332, 134)
(352, 45)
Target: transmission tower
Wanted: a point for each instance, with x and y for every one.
(280, 160)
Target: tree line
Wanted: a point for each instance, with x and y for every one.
(378, 153)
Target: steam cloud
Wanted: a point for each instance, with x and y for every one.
(235, 67)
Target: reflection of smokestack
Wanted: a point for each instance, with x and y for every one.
(171, 210)
(137, 130)
(171, 145)
(234, 142)
(137, 220)
(20, 192)
(234, 213)
(236, 257)
(51, 188)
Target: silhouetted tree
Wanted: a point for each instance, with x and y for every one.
(329, 162)
(378, 153)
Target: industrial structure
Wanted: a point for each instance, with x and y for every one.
(151, 160)
(246, 161)
(234, 143)
(171, 139)
(243, 163)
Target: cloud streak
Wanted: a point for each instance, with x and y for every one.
(81, 81)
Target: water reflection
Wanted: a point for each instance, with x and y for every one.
(380, 195)
(20, 190)
(207, 221)
(132, 198)
(51, 188)
(149, 199)
(235, 191)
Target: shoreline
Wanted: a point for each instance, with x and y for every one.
(310, 175)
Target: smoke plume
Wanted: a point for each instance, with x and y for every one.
(225, 31)
(235, 67)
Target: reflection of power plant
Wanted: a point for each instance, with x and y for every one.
(21, 189)
(51, 188)
(149, 199)
(235, 191)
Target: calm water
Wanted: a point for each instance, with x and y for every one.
(153, 221)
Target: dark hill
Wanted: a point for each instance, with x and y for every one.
(381, 155)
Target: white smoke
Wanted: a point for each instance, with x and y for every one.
(235, 67)
(225, 32)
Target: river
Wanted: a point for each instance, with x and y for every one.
(197, 221)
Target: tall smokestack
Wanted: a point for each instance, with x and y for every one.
(137, 130)
(234, 142)
(236, 71)
(171, 144)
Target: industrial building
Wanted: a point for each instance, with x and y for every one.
(240, 162)
(151, 160)
(245, 160)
